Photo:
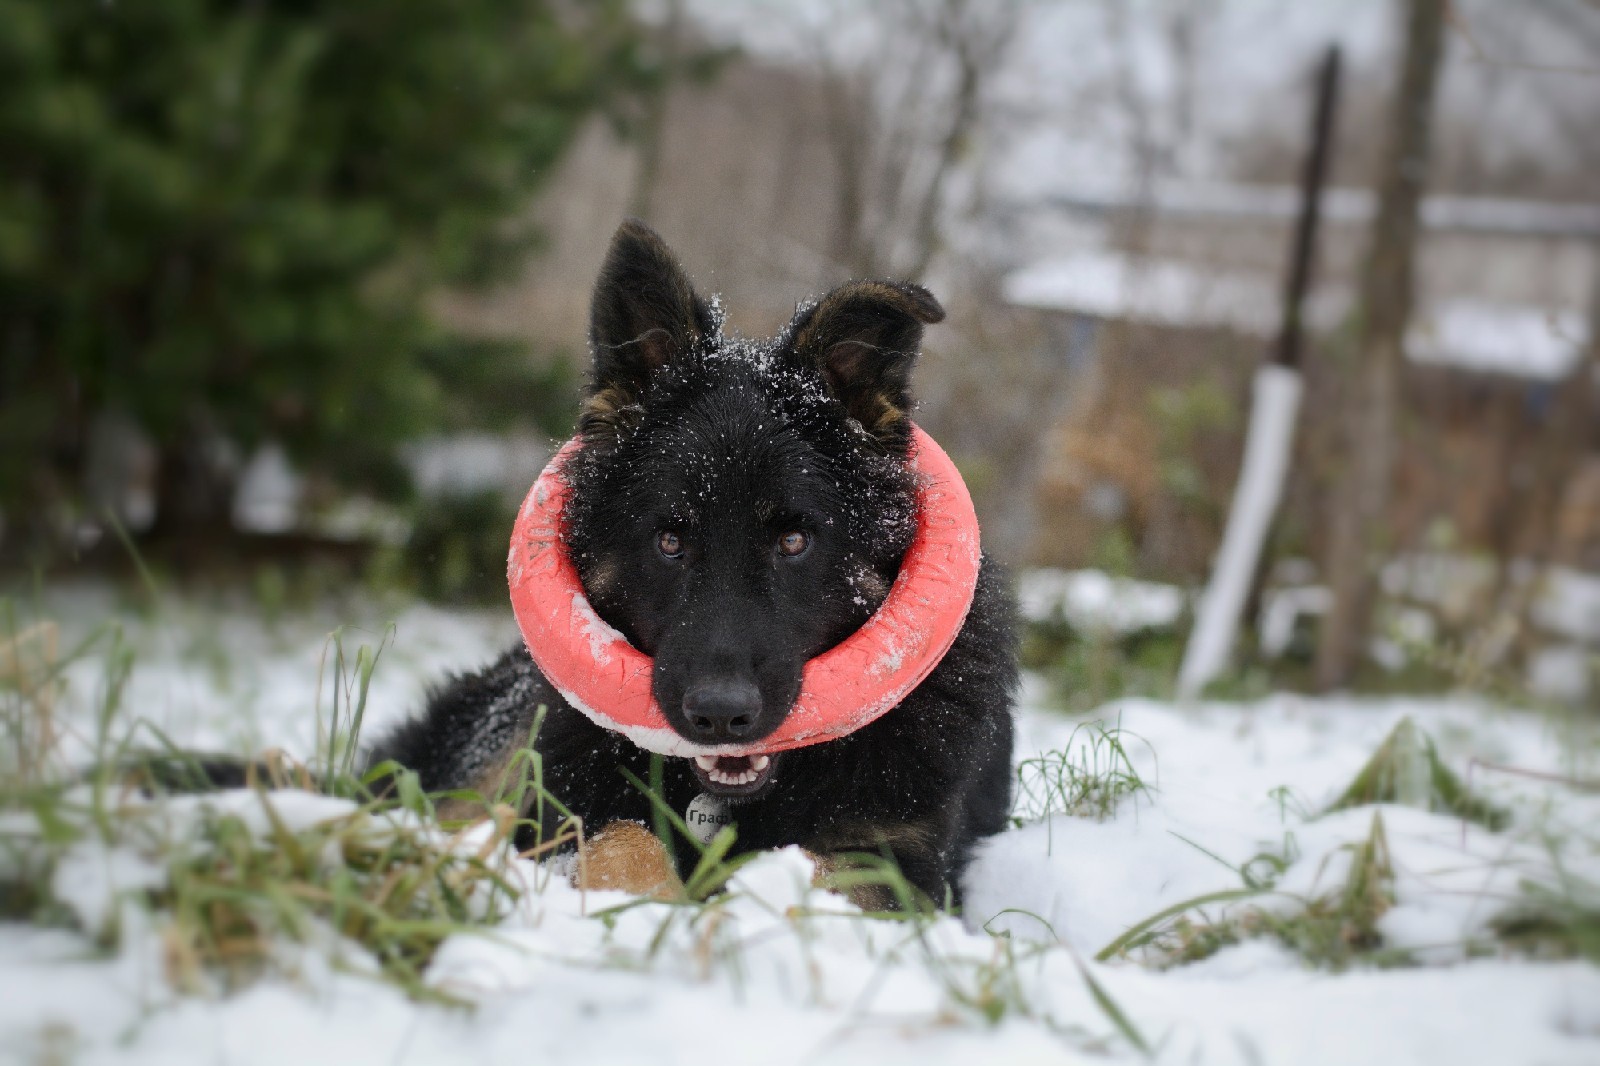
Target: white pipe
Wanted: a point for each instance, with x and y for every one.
(1274, 410)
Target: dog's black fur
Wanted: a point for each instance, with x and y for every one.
(777, 472)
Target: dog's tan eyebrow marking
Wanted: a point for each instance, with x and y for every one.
(605, 579)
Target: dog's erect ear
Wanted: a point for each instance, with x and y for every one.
(864, 337)
(645, 315)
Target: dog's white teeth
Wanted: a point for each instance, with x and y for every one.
(751, 773)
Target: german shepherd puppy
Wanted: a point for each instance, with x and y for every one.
(737, 508)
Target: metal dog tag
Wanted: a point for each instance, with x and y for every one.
(707, 814)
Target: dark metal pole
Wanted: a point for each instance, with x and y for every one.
(1287, 352)
(1302, 254)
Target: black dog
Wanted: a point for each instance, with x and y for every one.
(737, 508)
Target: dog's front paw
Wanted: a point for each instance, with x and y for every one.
(627, 857)
(871, 884)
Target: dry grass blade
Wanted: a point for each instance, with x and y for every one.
(387, 884)
(231, 886)
(1334, 929)
(1406, 769)
(1089, 776)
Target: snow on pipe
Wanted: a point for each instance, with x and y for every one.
(1273, 413)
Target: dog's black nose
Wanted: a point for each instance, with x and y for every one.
(721, 710)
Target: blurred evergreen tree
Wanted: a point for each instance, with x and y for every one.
(222, 220)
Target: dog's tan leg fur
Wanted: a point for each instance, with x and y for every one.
(871, 898)
(627, 857)
(830, 856)
(490, 784)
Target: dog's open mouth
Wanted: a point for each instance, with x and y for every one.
(734, 775)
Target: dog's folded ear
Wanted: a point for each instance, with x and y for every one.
(645, 315)
(864, 337)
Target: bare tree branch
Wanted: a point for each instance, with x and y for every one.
(901, 120)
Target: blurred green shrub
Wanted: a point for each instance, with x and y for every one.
(1088, 667)
(223, 220)
(457, 549)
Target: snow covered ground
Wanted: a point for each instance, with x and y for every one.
(775, 972)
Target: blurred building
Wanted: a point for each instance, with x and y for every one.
(1182, 285)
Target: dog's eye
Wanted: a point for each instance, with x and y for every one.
(793, 543)
(669, 544)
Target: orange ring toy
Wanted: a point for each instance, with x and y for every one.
(853, 683)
